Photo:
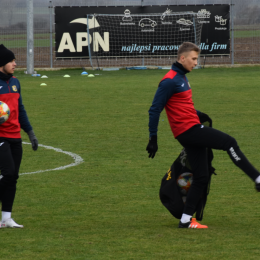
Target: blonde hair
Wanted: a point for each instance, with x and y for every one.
(187, 47)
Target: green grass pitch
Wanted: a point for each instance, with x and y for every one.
(108, 206)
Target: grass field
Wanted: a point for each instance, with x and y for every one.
(20, 40)
(108, 206)
(246, 34)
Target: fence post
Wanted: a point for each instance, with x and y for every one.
(30, 43)
(89, 47)
(142, 4)
(50, 8)
(232, 32)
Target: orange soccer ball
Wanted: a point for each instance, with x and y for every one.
(4, 110)
(184, 181)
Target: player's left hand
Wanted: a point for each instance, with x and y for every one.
(33, 140)
(204, 117)
(152, 146)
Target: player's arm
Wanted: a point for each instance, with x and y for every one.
(25, 124)
(162, 95)
(23, 118)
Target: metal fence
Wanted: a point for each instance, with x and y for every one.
(245, 17)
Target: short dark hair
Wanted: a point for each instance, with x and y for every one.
(187, 47)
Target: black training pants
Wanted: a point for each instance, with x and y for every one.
(195, 141)
(10, 160)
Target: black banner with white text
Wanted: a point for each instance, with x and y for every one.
(73, 41)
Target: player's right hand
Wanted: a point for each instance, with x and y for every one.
(2, 120)
(152, 146)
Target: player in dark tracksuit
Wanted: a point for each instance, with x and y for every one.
(10, 137)
(174, 94)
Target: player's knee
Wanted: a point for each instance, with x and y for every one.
(231, 143)
(8, 171)
(8, 180)
(9, 174)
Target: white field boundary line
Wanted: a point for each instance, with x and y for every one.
(77, 160)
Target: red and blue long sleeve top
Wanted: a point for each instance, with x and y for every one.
(10, 93)
(174, 94)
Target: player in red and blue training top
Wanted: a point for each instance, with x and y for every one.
(10, 137)
(174, 94)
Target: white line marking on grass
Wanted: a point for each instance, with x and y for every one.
(77, 159)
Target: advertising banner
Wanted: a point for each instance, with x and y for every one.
(137, 30)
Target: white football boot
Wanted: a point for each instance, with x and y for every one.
(10, 223)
